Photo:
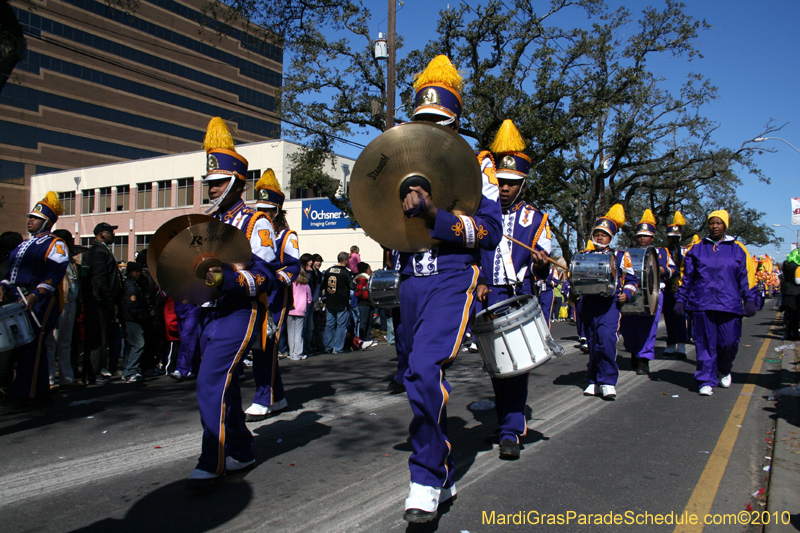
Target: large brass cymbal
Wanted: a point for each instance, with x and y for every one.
(184, 261)
(165, 233)
(435, 153)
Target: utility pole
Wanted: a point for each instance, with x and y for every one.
(390, 67)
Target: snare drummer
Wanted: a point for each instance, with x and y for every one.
(511, 270)
(639, 331)
(600, 315)
(37, 267)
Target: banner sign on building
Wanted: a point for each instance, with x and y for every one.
(322, 214)
(795, 211)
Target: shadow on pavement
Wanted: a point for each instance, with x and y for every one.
(184, 511)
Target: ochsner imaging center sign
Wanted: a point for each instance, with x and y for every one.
(322, 214)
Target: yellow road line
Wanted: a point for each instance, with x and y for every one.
(706, 489)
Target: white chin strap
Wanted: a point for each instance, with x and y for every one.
(598, 245)
(215, 203)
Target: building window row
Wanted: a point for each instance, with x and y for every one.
(119, 247)
(31, 99)
(26, 136)
(35, 61)
(144, 197)
(43, 24)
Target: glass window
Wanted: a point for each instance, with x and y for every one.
(142, 242)
(206, 201)
(250, 191)
(165, 193)
(120, 247)
(185, 192)
(105, 200)
(67, 200)
(123, 197)
(87, 206)
(144, 195)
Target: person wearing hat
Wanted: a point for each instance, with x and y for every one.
(270, 396)
(102, 296)
(230, 324)
(790, 295)
(511, 270)
(36, 268)
(718, 273)
(639, 331)
(677, 335)
(437, 300)
(600, 315)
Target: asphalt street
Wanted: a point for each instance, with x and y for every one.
(115, 457)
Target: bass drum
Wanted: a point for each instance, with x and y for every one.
(513, 337)
(384, 289)
(593, 274)
(645, 264)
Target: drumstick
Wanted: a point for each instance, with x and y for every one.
(25, 304)
(556, 263)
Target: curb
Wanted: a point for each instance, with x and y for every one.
(784, 481)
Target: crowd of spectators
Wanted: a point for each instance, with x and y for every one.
(117, 324)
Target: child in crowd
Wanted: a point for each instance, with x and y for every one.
(364, 308)
(136, 315)
(353, 260)
(301, 293)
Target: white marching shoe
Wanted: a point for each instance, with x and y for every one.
(608, 392)
(725, 381)
(232, 465)
(591, 390)
(423, 501)
(669, 349)
(706, 391)
(257, 412)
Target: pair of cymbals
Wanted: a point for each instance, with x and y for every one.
(415, 153)
(184, 248)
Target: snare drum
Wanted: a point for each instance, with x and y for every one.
(384, 289)
(645, 264)
(15, 326)
(593, 274)
(513, 337)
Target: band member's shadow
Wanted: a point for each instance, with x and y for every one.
(575, 379)
(186, 512)
(292, 434)
(302, 395)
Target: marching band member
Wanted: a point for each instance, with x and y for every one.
(270, 396)
(229, 325)
(676, 325)
(639, 331)
(600, 315)
(718, 273)
(397, 383)
(36, 267)
(511, 270)
(436, 301)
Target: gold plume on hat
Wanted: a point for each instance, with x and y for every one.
(508, 139)
(268, 181)
(589, 246)
(51, 200)
(678, 219)
(218, 135)
(617, 215)
(696, 239)
(648, 218)
(441, 71)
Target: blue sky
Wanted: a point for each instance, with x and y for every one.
(750, 55)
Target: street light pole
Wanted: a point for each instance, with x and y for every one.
(797, 242)
(390, 66)
(762, 139)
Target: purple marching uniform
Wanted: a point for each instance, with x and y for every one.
(267, 373)
(675, 324)
(228, 328)
(639, 331)
(436, 304)
(600, 317)
(508, 272)
(716, 277)
(37, 266)
(546, 295)
(188, 359)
